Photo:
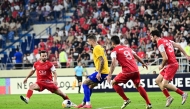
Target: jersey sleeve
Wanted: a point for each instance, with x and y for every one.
(133, 52)
(53, 69)
(34, 66)
(98, 51)
(113, 54)
(161, 48)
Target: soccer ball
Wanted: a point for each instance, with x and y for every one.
(66, 104)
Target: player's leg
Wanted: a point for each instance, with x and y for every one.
(169, 76)
(121, 78)
(159, 80)
(87, 91)
(54, 89)
(141, 90)
(177, 90)
(60, 93)
(84, 99)
(88, 84)
(79, 83)
(87, 87)
(32, 87)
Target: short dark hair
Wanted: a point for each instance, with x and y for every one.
(155, 33)
(93, 37)
(42, 52)
(115, 39)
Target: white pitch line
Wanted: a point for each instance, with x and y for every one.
(109, 107)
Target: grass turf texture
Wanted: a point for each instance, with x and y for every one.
(98, 100)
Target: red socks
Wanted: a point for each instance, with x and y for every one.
(166, 93)
(29, 93)
(180, 92)
(65, 97)
(143, 94)
(120, 91)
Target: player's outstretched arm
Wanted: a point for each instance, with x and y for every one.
(139, 59)
(180, 49)
(29, 75)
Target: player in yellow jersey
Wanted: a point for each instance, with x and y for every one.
(102, 70)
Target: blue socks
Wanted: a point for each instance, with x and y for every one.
(87, 93)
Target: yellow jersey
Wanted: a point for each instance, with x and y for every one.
(97, 52)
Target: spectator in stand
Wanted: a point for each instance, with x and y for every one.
(63, 58)
(141, 54)
(18, 57)
(55, 62)
(70, 61)
(35, 51)
(131, 20)
(37, 57)
(42, 45)
(56, 37)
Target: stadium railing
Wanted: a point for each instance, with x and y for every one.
(184, 65)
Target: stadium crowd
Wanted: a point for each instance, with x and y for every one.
(18, 15)
(131, 20)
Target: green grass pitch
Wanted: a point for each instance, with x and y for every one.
(98, 100)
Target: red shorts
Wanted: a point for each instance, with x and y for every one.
(125, 77)
(169, 71)
(49, 86)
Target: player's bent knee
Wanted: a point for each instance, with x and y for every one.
(157, 81)
(137, 86)
(164, 84)
(92, 86)
(86, 81)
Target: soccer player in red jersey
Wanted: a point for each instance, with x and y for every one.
(126, 58)
(169, 66)
(44, 70)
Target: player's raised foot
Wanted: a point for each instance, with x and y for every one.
(125, 104)
(169, 101)
(184, 98)
(24, 99)
(149, 106)
(86, 107)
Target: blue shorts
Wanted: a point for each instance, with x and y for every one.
(93, 78)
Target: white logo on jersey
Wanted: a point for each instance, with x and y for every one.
(42, 72)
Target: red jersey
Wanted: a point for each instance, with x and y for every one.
(141, 54)
(44, 71)
(167, 46)
(125, 58)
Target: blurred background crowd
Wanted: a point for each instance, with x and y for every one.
(131, 20)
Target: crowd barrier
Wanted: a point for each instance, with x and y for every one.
(16, 86)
